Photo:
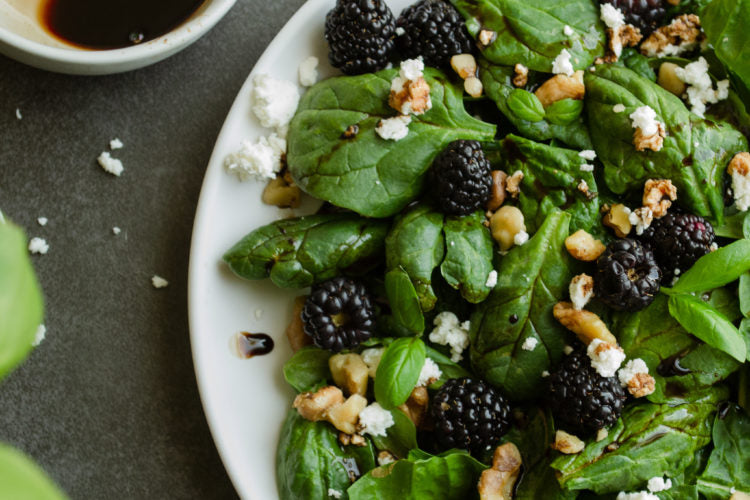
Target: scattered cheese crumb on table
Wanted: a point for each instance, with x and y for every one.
(41, 333)
(115, 144)
(18, 114)
(158, 281)
(116, 230)
(109, 164)
(42, 221)
(38, 246)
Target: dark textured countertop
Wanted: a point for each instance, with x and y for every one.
(108, 404)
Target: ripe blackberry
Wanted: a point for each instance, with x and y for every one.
(338, 314)
(460, 178)
(360, 35)
(469, 414)
(434, 30)
(678, 240)
(644, 14)
(581, 400)
(627, 276)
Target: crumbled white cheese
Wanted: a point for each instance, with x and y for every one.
(587, 167)
(158, 281)
(644, 118)
(400, 31)
(334, 493)
(372, 357)
(38, 245)
(42, 221)
(39, 336)
(385, 458)
(588, 154)
(259, 160)
(273, 101)
(605, 358)
(18, 114)
(611, 15)
(641, 219)
(700, 89)
(659, 484)
(116, 144)
(562, 65)
(116, 230)
(638, 495)
(567, 350)
(568, 31)
(448, 331)
(618, 108)
(430, 373)
(581, 290)
(741, 190)
(545, 374)
(529, 344)
(412, 69)
(520, 238)
(109, 164)
(491, 279)
(632, 368)
(395, 128)
(308, 71)
(375, 420)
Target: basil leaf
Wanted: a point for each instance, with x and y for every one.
(725, 23)
(531, 279)
(695, 152)
(21, 478)
(365, 173)
(531, 32)
(307, 368)
(468, 255)
(448, 368)
(451, 475)
(715, 269)
(649, 440)
(310, 460)
(296, 253)
(744, 293)
(404, 301)
(525, 105)
(398, 371)
(564, 111)
(707, 324)
(400, 438)
(416, 244)
(21, 302)
(729, 464)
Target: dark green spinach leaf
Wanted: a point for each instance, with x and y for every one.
(400, 438)
(715, 269)
(564, 111)
(744, 293)
(307, 369)
(733, 226)
(468, 255)
(398, 371)
(725, 23)
(404, 301)
(729, 464)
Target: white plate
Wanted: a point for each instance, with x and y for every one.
(246, 400)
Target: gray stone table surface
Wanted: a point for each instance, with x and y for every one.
(108, 403)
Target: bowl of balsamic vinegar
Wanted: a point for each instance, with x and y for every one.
(97, 37)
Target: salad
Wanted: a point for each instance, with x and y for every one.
(529, 275)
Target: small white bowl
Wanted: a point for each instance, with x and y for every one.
(23, 38)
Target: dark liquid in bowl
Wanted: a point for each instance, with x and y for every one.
(114, 24)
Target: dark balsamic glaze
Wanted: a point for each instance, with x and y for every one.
(671, 367)
(253, 344)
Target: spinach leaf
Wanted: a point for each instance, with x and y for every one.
(404, 301)
(564, 111)
(400, 438)
(715, 269)
(725, 23)
(21, 478)
(744, 293)
(398, 371)
(707, 324)
(733, 226)
(310, 460)
(21, 302)
(695, 151)
(550, 181)
(530, 32)
(531, 279)
(525, 105)
(299, 252)
(729, 463)
(307, 368)
(416, 244)
(365, 173)
(498, 86)
(649, 440)
(448, 368)
(452, 475)
(468, 255)
(639, 63)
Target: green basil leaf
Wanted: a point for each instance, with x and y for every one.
(715, 269)
(307, 368)
(20, 478)
(366, 173)
(468, 255)
(400, 438)
(296, 253)
(744, 293)
(649, 440)
(532, 33)
(707, 324)
(525, 105)
(21, 302)
(310, 460)
(398, 371)
(725, 23)
(531, 280)
(404, 301)
(564, 111)
(729, 464)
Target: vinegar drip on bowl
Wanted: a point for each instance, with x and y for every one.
(247, 345)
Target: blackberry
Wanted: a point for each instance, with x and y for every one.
(460, 178)
(434, 30)
(338, 314)
(581, 400)
(627, 276)
(360, 35)
(469, 414)
(647, 15)
(678, 240)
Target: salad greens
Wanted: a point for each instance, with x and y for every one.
(729, 464)
(725, 23)
(398, 371)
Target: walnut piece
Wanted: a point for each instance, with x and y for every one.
(513, 183)
(352, 439)
(601, 434)
(521, 77)
(586, 325)
(618, 218)
(626, 35)
(385, 457)
(658, 195)
(740, 164)
(561, 87)
(349, 372)
(473, 86)
(497, 193)
(497, 482)
(464, 65)
(416, 406)
(641, 384)
(654, 142)
(282, 192)
(295, 332)
(668, 79)
(505, 224)
(344, 417)
(412, 98)
(582, 246)
(567, 443)
(315, 405)
(682, 34)
(486, 37)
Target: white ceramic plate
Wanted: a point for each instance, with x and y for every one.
(246, 400)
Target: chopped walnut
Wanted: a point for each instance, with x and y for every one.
(473, 86)
(567, 443)
(513, 183)
(673, 3)
(583, 187)
(740, 165)
(586, 325)
(344, 417)
(498, 482)
(582, 246)
(349, 372)
(282, 192)
(412, 97)
(669, 80)
(601, 434)
(295, 332)
(464, 65)
(682, 34)
(385, 457)
(618, 218)
(352, 439)
(626, 35)
(641, 384)
(350, 132)
(315, 405)
(521, 77)
(561, 87)
(505, 224)
(654, 142)
(416, 406)
(486, 37)
(658, 195)
(497, 193)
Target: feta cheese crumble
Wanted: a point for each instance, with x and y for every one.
(581, 289)
(618, 108)
(18, 114)
(308, 71)
(430, 373)
(568, 31)
(644, 118)
(529, 344)
(638, 495)
(372, 357)
(116, 230)
(491, 279)
(410, 92)
(42, 221)
(375, 420)
(158, 281)
(605, 358)
(587, 167)
(400, 31)
(394, 129)
(109, 164)
(611, 16)
(334, 493)
(700, 89)
(562, 64)
(38, 246)
(449, 332)
(632, 368)
(39, 336)
(588, 154)
(258, 160)
(656, 484)
(641, 219)
(274, 101)
(545, 374)
(521, 238)
(116, 144)
(412, 69)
